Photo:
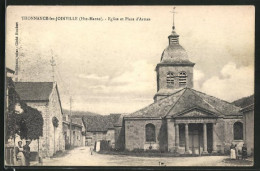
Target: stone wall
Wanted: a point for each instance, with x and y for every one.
(119, 138)
(76, 134)
(249, 131)
(171, 135)
(220, 138)
(66, 134)
(46, 142)
(110, 136)
(165, 134)
(162, 74)
(56, 137)
(135, 134)
(229, 133)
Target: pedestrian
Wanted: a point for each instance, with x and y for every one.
(26, 151)
(232, 152)
(20, 159)
(244, 152)
(236, 150)
(91, 151)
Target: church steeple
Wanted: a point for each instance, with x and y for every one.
(174, 37)
(175, 70)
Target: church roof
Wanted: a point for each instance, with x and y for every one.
(184, 100)
(175, 54)
(34, 91)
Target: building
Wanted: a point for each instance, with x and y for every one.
(247, 105)
(107, 128)
(77, 132)
(181, 119)
(44, 96)
(10, 97)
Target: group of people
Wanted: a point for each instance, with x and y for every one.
(234, 152)
(23, 154)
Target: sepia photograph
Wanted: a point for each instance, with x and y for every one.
(129, 86)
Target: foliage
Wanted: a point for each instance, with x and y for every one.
(28, 124)
(31, 124)
(55, 122)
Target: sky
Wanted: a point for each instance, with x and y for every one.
(108, 66)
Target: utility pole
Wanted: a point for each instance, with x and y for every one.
(52, 61)
(70, 120)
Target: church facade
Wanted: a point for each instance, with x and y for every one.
(181, 119)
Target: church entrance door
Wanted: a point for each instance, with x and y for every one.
(195, 137)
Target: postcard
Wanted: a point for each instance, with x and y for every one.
(129, 86)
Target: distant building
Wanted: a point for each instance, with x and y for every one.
(44, 96)
(77, 132)
(107, 127)
(247, 105)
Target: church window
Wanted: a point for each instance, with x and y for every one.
(150, 132)
(170, 79)
(182, 78)
(238, 131)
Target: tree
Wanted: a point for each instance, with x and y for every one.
(31, 124)
(28, 124)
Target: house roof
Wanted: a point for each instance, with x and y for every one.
(9, 70)
(72, 123)
(34, 91)
(76, 120)
(183, 100)
(101, 123)
(245, 101)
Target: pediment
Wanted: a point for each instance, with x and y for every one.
(196, 113)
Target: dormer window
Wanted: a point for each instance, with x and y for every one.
(170, 79)
(182, 78)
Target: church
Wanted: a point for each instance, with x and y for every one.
(181, 119)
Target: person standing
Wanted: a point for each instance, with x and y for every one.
(20, 159)
(91, 151)
(26, 150)
(232, 152)
(244, 152)
(236, 150)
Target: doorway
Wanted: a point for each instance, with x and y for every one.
(196, 138)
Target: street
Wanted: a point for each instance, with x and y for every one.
(81, 157)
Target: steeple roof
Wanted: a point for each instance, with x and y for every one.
(175, 53)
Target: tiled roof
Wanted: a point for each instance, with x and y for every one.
(101, 123)
(158, 109)
(244, 102)
(184, 100)
(34, 91)
(222, 106)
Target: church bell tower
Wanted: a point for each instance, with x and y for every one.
(175, 70)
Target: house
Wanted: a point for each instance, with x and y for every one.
(107, 128)
(10, 97)
(44, 96)
(77, 132)
(247, 105)
(182, 119)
